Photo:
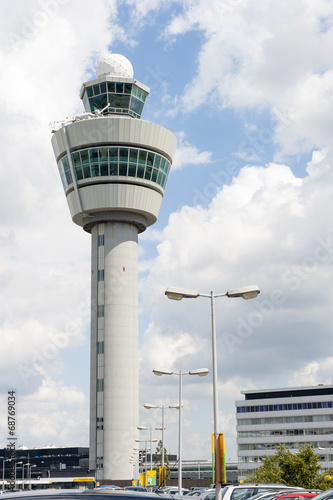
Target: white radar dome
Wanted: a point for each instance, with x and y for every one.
(115, 64)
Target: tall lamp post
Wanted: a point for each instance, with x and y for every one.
(150, 429)
(149, 406)
(144, 469)
(15, 465)
(29, 473)
(201, 372)
(247, 292)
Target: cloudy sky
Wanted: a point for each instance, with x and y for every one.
(247, 87)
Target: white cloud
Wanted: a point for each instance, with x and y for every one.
(267, 228)
(187, 154)
(275, 56)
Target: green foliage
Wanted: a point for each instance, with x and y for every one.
(295, 469)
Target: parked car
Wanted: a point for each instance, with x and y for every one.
(87, 494)
(285, 493)
(325, 495)
(246, 490)
(174, 491)
(135, 488)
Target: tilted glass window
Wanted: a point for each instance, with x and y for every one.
(121, 97)
(115, 161)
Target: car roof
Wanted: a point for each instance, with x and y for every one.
(296, 494)
(88, 494)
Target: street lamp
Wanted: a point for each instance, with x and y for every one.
(144, 469)
(29, 473)
(246, 292)
(201, 372)
(16, 463)
(149, 406)
(140, 428)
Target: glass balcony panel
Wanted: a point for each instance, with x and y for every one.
(113, 168)
(86, 171)
(162, 164)
(159, 178)
(157, 161)
(93, 153)
(154, 175)
(150, 159)
(163, 180)
(113, 154)
(123, 154)
(132, 170)
(76, 159)
(140, 171)
(78, 173)
(69, 179)
(122, 168)
(84, 157)
(142, 157)
(103, 154)
(148, 172)
(104, 168)
(95, 170)
(133, 155)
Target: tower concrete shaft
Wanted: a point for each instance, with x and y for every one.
(114, 168)
(114, 341)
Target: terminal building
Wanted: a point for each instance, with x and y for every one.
(294, 416)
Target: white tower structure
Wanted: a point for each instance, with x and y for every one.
(114, 168)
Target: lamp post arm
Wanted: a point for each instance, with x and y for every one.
(210, 295)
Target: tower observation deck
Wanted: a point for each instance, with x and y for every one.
(114, 168)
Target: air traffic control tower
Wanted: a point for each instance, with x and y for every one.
(114, 168)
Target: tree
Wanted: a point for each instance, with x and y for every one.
(295, 469)
(158, 459)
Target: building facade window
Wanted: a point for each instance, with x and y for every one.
(285, 407)
(100, 311)
(100, 384)
(100, 275)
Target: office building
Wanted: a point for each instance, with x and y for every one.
(114, 168)
(294, 416)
